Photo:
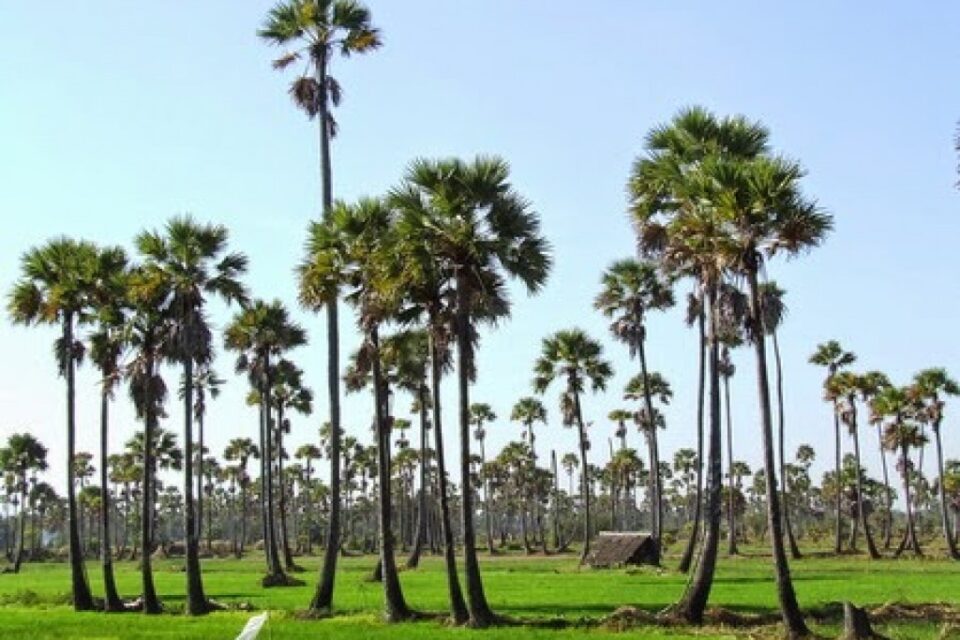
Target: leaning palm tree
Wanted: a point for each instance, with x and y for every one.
(479, 231)
(833, 357)
(931, 386)
(55, 288)
(575, 359)
(316, 30)
(261, 333)
(630, 290)
(107, 344)
(189, 262)
(352, 252)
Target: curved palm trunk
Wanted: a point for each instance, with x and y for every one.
(82, 598)
(196, 600)
(656, 501)
(693, 602)
(480, 612)
(395, 607)
(789, 608)
(151, 604)
(731, 516)
(323, 598)
(781, 426)
(421, 528)
(458, 606)
(871, 547)
(944, 509)
(687, 557)
(111, 600)
(584, 477)
(838, 507)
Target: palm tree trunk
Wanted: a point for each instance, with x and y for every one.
(781, 441)
(487, 515)
(480, 613)
(838, 507)
(944, 509)
(395, 606)
(556, 499)
(789, 608)
(693, 602)
(151, 604)
(656, 501)
(731, 517)
(82, 598)
(288, 562)
(911, 535)
(888, 494)
(871, 547)
(196, 600)
(111, 600)
(687, 557)
(275, 571)
(421, 528)
(584, 477)
(323, 598)
(458, 607)
(199, 474)
(21, 529)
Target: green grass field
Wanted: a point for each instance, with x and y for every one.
(551, 596)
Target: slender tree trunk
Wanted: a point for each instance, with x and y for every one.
(789, 608)
(656, 499)
(838, 507)
(323, 598)
(556, 500)
(693, 602)
(82, 598)
(458, 606)
(487, 516)
(111, 600)
(731, 516)
(781, 441)
(288, 562)
(151, 604)
(888, 494)
(687, 557)
(480, 613)
(944, 509)
(275, 571)
(21, 529)
(421, 532)
(910, 539)
(871, 547)
(199, 474)
(196, 600)
(584, 476)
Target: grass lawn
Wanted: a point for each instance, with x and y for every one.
(541, 591)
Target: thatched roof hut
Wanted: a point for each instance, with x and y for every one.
(615, 549)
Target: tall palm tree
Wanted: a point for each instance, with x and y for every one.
(107, 344)
(189, 262)
(930, 386)
(576, 360)
(479, 231)
(23, 455)
(315, 31)
(842, 390)
(640, 388)
(630, 290)
(528, 411)
(834, 358)
(55, 288)
(307, 453)
(351, 252)
(261, 333)
(480, 413)
(241, 450)
(727, 371)
(206, 383)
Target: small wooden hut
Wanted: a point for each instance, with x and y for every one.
(616, 549)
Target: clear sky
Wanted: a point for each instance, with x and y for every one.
(113, 117)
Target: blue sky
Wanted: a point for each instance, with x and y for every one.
(113, 118)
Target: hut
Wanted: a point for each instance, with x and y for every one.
(615, 549)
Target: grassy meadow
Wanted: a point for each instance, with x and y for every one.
(541, 598)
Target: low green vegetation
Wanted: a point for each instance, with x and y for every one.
(551, 596)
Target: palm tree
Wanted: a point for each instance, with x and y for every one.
(22, 455)
(641, 388)
(206, 383)
(241, 450)
(55, 288)
(576, 359)
(188, 262)
(834, 358)
(480, 413)
(352, 251)
(727, 371)
(696, 314)
(307, 453)
(631, 289)
(528, 411)
(107, 344)
(317, 30)
(842, 390)
(260, 332)
(479, 231)
(930, 386)
(899, 410)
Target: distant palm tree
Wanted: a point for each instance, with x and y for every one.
(241, 450)
(186, 263)
(930, 386)
(630, 290)
(481, 413)
(206, 383)
(834, 358)
(528, 411)
(22, 455)
(576, 360)
(317, 30)
(55, 288)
